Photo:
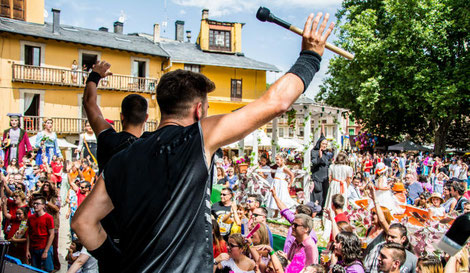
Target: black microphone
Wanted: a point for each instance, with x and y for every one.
(264, 14)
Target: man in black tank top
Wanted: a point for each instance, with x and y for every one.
(159, 187)
(133, 117)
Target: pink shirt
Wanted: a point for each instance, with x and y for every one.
(301, 255)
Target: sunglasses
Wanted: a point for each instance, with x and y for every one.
(224, 194)
(295, 225)
(83, 188)
(232, 245)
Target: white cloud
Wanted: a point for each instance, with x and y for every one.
(221, 8)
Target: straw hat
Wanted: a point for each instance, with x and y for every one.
(435, 195)
(399, 187)
(380, 168)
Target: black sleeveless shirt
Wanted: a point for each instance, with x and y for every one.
(160, 188)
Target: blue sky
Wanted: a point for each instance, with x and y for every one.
(261, 41)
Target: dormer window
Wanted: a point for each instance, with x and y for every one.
(219, 40)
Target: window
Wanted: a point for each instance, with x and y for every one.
(281, 132)
(32, 106)
(15, 11)
(219, 40)
(192, 67)
(291, 132)
(301, 131)
(32, 55)
(323, 121)
(269, 132)
(236, 89)
(351, 132)
(88, 60)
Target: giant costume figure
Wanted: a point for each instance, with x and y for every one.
(15, 140)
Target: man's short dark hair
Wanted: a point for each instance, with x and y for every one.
(338, 201)
(134, 109)
(227, 189)
(178, 89)
(40, 197)
(398, 252)
(257, 198)
(304, 209)
(87, 184)
(458, 187)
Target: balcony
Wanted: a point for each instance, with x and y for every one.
(71, 126)
(77, 78)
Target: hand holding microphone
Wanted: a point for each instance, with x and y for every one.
(312, 39)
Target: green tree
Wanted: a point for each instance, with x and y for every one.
(411, 71)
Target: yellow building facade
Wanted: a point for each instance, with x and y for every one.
(43, 67)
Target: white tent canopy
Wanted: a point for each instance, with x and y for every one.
(289, 143)
(265, 141)
(63, 144)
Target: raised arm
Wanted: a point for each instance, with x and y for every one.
(86, 221)
(93, 111)
(225, 129)
(380, 214)
(278, 201)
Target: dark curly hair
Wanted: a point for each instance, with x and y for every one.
(351, 247)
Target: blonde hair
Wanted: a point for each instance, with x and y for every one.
(45, 121)
(263, 234)
(430, 264)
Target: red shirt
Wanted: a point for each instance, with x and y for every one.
(341, 217)
(12, 224)
(223, 248)
(38, 230)
(80, 197)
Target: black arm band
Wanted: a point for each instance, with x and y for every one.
(306, 66)
(107, 251)
(94, 77)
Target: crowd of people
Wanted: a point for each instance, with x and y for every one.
(139, 202)
(388, 183)
(34, 188)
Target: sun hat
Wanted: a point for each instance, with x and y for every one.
(399, 187)
(380, 168)
(435, 195)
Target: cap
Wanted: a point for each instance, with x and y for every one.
(314, 207)
(14, 115)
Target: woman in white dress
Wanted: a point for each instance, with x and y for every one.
(340, 175)
(384, 194)
(283, 179)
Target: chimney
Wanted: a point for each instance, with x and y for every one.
(55, 20)
(118, 27)
(104, 29)
(156, 33)
(205, 14)
(179, 31)
(188, 35)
